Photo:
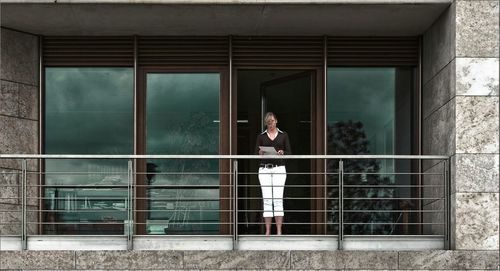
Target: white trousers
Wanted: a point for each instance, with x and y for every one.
(272, 183)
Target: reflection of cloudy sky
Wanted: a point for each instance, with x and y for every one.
(362, 94)
(181, 109)
(89, 110)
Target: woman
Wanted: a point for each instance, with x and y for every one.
(272, 172)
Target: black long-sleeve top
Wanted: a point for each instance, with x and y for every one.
(281, 142)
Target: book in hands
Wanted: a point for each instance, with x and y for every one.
(268, 150)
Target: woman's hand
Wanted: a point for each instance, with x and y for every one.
(281, 152)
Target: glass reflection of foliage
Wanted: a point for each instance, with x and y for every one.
(348, 138)
(200, 138)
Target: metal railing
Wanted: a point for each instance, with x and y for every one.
(220, 195)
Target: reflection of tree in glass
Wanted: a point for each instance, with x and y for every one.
(349, 138)
(199, 137)
(188, 203)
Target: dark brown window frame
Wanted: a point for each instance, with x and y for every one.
(66, 53)
(224, 165)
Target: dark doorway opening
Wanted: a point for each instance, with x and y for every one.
(287, 93)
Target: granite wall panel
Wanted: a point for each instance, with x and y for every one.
(434, 216)
(19, 57)
(9, 186)
(299, 260)
(101, 260)
(317, 260)
(477, 76)
(476, 173)
(477, 30)
(439, 90)
(18, 136)
(477, 221)
(448, 260)
(439, 44)
(9, 98)
(477, 124)
(237, 260)
(19, 103)
(439, 131)
(18, 100)
(51, 260)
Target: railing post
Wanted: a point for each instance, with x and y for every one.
(235, 204)
(341, 205)
(129, 225)
(24, 190)
(325, 198)
(447, 216)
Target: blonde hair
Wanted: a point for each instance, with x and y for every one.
(270, 115)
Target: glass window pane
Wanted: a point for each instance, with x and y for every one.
(369, 111)
(87, 111)
(183, 118)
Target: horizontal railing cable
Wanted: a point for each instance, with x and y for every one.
(199, 195)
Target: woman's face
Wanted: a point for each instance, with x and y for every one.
(271, 123)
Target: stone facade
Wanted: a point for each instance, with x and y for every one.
(477, 118)
(438, 108)
(18, 121)
(460, 113)
(249, 260)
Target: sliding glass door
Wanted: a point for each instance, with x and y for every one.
(370, 111)
(182, 118)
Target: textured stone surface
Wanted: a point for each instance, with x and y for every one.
(476, 173)
(371, 259)
(477, 76)
(439, 44)
(477, 124)
(33, 188)
(434, 192)
(129, 260)
(477, 221)
(317, 260)
(10, 219)
(439, 131)
(439, 90)
(19, 57)
(434, 213)
(448, 260)
(18, 136)
(37, 260)
(304, 260)
(344, 259)
(236, 259)
(453, 220)
(434, 181)
(18, 100)
(9, 186)
(8, 98)
(477, 28)
(28, 102)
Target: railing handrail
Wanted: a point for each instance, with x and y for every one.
(189, 156)
(131, 211)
